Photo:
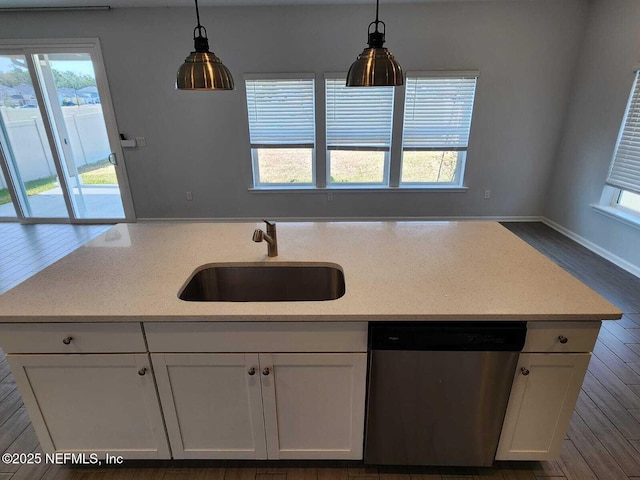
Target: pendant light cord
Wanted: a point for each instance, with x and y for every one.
(200, 41)
(199, 27)
(376, 22)
(376, 38)
(198, 15)
(377, 8)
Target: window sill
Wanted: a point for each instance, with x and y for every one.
(363, 189)
(617, 214)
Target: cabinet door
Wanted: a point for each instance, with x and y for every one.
(314, 405)
(92, 403)
(212, 405)
(542, 400)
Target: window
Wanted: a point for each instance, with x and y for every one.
(359, 124)
(60, 152)
(629, 200)
(372, 138)
(624, 172)
(281, 116)
(437, 121)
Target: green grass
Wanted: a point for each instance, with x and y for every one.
(295, 166)
(429, 167)
(100, 173)
(285, 165)
(33, 187)
(356, 166)
(4, 196)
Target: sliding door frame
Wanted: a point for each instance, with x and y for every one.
(31, 47)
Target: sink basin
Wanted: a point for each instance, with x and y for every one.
(264, 282)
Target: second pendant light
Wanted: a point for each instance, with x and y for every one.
(202, 70)
(375, 66)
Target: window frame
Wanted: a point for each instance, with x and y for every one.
(384, 184)
(458, 174)
(346, 185)
(321, 156)
(609, 203)
(627, 209)
(255, 167)
(609, 206)
(462, 152)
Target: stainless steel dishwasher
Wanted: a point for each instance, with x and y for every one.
(438, 391)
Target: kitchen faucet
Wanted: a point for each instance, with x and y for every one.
(270, 237)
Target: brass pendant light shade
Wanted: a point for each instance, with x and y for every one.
(375, 66)
(202, 69)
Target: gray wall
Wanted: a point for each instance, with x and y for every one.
(525, 52)
(609, 56)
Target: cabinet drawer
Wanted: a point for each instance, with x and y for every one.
(72, 338)
(561, 337)
(250, 337)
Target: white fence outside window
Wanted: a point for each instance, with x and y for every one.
(87, 136)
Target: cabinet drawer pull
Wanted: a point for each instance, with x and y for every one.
(524, 371)
(142, 372)
(266, 371)
(252, 371)
(67, 340)
(563, 339)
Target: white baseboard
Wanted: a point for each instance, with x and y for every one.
(353, 219)
(620, 262)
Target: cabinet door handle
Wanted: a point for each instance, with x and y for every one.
(563, 339)
(266, 371)
(67, 340)
(252, 371)
(142, 372)
(524, 371)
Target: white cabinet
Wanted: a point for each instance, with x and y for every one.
(92, 403)
(314, 405)
(545, 389)
(224, 397)
(212, 405)
(257, 406)
(541, 405)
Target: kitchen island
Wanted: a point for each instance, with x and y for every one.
(110, 360)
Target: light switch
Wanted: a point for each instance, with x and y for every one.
(141, 141)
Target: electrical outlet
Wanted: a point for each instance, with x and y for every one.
(141, 141)
(189, 196)
(330, 197)
(487, 194)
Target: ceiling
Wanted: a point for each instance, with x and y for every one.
(190, 3)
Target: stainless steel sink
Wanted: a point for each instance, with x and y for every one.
(264, 282)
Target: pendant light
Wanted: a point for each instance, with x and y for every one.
(202, 70)
(375, 66)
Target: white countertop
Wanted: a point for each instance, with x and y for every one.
(393, 271)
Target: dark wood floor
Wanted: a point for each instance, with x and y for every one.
(603, 442)
(612, 282)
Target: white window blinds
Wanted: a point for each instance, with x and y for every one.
(281, 113)
(358, 117)
(624, 172)
(437, 113)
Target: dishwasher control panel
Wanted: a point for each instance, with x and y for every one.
(444, 336)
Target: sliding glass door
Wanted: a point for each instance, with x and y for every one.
(7, 211)
(30, 162)
(60, 147)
